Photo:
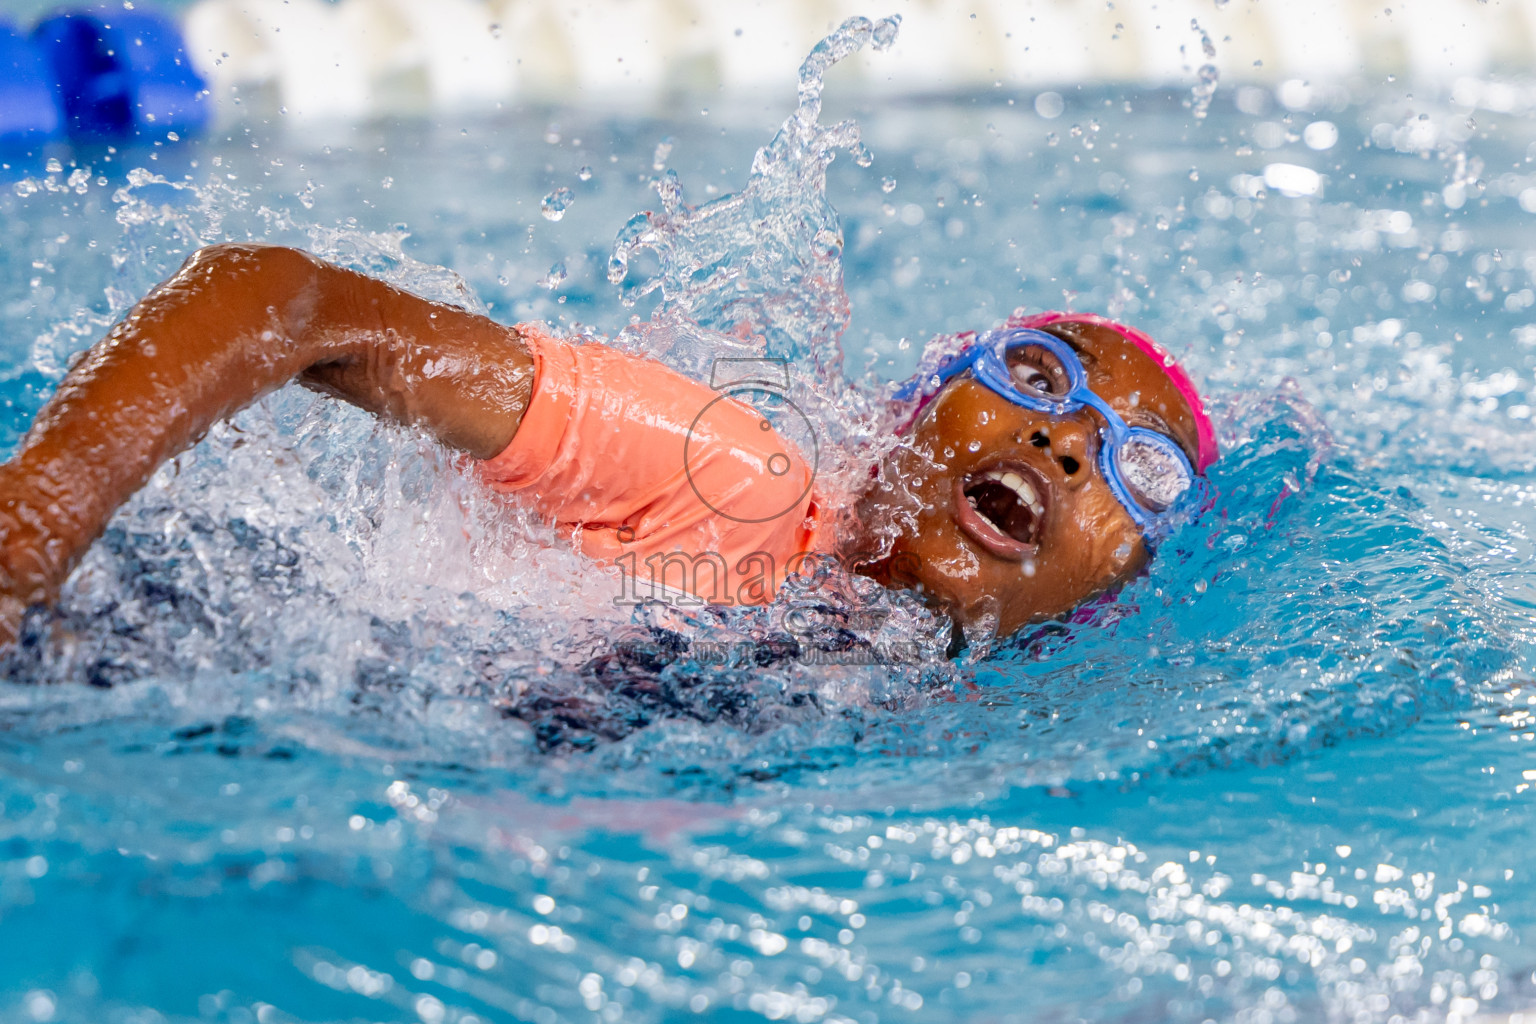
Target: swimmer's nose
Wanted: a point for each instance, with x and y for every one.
(1071, 446)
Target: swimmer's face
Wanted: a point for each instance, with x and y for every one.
(1005, 557)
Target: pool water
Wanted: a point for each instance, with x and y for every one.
(360, 744)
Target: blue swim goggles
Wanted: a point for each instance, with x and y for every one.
(1147, 471)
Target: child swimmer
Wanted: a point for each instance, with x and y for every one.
(1044, 460)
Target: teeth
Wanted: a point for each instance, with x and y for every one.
(1018, 485)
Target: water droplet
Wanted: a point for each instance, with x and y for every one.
(1204, 89)
(1206, 46)
(1049, 105)
(1051, 138)
(495, 30)
(663, 150)
(973, 447)
(887, 185)
(585, 174)
(555, 278)
(670, 190)
(554, 205)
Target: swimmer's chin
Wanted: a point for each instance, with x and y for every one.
(975, 616)
(981, 618)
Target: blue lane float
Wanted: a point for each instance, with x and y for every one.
(120, 73)
(29, 104)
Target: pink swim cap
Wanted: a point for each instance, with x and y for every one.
(1205, 431)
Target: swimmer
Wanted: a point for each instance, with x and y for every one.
(1039, 468)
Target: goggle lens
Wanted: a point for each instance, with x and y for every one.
(1153, 470)
(1035, 370)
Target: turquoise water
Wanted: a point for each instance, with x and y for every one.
(361, 746)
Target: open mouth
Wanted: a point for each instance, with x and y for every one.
(1002, 508)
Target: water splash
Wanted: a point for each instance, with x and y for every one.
(1204, 90)
(764, 261)
(1206, 77)
(759, 273)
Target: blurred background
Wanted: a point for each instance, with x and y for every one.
(356, 58)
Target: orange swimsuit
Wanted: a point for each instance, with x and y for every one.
(688, 491)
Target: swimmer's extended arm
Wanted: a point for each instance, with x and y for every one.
(235, 323)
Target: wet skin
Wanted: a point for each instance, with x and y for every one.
(1079, 540)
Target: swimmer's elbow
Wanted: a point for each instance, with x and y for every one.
(251, 283)
(262, 271)
(249, 260)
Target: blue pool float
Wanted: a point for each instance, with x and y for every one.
(29, 107)
(122, 72)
